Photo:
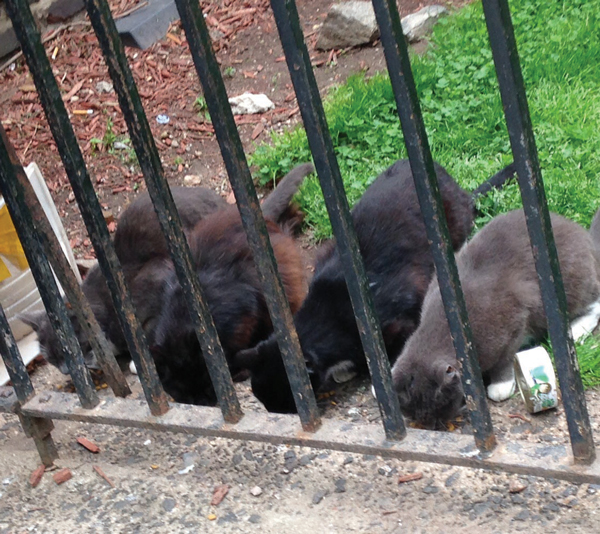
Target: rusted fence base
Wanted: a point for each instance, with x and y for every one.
(537, 459)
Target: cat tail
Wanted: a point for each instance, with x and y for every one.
(595, 230)
(496, 181)
(276, 207)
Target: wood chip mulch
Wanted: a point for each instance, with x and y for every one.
(164, 73)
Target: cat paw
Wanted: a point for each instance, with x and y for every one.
(500, 391)
(132, 368)
(586, 324)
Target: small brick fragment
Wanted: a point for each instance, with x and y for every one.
(62, 476)
(219, 494)
(410, 477)
(92, 447)
(36, 476)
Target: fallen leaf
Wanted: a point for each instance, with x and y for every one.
(258, 129)
(411, 477)
(219, 494)
(516, 486)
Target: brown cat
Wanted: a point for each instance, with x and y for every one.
(505, 308)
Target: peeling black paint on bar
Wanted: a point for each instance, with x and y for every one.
(247, 201)
(42, 273)
(77, 301)
(421, 162)
(149, 159)
(311, 108)
(516, 110)
(72, 158)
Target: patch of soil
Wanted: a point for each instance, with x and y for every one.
(246, 42)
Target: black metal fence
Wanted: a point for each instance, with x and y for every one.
(43, 251)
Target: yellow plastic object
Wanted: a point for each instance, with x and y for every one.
(10, 246)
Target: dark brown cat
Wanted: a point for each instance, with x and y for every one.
(505, 308)
(142, 252)
(233, 290)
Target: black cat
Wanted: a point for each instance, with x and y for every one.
(399, 266)
(143, 254)
(226, 271)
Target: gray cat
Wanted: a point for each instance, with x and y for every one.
(505, 308)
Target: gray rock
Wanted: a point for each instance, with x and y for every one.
(318, 496)
(340, 485)
(229, 517)
(249, 104)
(254, 518)
(168, 504)
(419, 24)
(522, 515)
(431, 489)
(142, 28)
(348, 24)
(104, 87)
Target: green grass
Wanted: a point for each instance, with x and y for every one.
(559, 48)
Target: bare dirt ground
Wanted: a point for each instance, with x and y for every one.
(271, 489)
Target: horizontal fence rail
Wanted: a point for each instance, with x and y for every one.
(392, 438)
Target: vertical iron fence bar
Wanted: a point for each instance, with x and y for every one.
(421, 162)
(72, 158)
(149, 159)
(247, 201)
(37, 428)
(313, 116)
(520, 130)
(62, 269)
(44, 278)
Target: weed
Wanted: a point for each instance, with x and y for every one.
(229, 72)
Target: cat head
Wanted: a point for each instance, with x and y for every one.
(50, 346)
(431, 394)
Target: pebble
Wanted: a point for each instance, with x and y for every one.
(516, 486)
(168, 504)
(256, 491)
(254, 518)
(431, 489)
(340, 485)
(318, 496)
(522, 515)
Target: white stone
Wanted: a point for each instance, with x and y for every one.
(249, 104)
(256, 491)
(104, 87)
(191, 179)
(419, 24)
(348, 24)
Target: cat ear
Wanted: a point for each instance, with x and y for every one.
(248, 359)
(33, 319)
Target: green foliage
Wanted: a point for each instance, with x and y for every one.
(108, 139)
(559, 50)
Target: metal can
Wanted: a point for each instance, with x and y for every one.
(536, 379)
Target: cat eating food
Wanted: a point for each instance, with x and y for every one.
(233, 291)
(504, 303)
(142, 251)
(399, 266)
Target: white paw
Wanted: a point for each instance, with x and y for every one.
(500, 391)
(132, 368)
(585, 325)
